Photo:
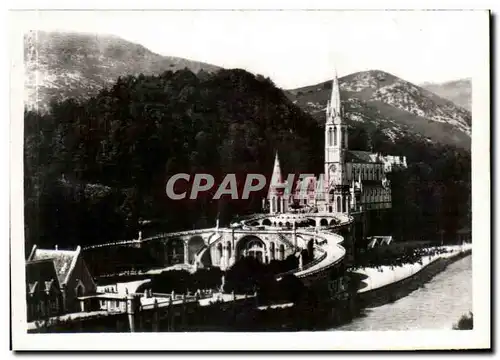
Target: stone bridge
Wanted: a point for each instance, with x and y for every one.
(265, 237)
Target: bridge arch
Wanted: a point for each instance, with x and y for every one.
(174, 251)
(266, 222)
(323, 222)
(195, 243)
(251, 246)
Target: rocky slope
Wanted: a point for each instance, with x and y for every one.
(458, 91)
(61, 65)
(396, 107)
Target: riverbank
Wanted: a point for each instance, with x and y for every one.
(387, 284)
(436, 305)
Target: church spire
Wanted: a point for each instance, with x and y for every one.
(276, 178)
(335, 96)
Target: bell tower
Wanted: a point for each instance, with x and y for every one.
(335, 148)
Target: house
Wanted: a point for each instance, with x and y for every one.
(72, 278)
(43, 294)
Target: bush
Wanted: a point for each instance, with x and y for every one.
(465, 323)
(182, 281)
(249, 275)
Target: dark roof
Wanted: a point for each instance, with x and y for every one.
(371, 182)
(62, 260)
(41, 275)
(358, 156)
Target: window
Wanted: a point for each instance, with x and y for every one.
(54, 305)
(335, 136)
(330, 137)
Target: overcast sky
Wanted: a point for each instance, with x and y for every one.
(297, 48)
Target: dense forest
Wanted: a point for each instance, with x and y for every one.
(94, 170)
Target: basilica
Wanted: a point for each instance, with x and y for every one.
(353, 181)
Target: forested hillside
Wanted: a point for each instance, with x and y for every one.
(94, 169)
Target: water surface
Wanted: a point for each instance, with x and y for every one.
(439, 304)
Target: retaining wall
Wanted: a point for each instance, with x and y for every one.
(397, 290)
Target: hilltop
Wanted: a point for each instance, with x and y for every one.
(379, 101)
(78, 65)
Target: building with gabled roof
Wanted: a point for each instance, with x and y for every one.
(43, 294)
(71, 274)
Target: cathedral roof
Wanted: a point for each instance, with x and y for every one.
(358, 156)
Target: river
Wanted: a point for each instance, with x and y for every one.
(437, 305)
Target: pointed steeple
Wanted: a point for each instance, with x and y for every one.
(335, 96)
(276, 178)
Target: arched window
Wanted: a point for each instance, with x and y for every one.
(344, 205)
(342, 139)
(271, 250)
(282, 252)
(229, 249)
(339, 204)
(330, 137)
(335, 136)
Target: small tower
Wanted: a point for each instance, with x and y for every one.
(277, 199)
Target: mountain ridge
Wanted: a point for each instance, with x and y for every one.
(458, 91)
(60, 65)
(392, 105)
